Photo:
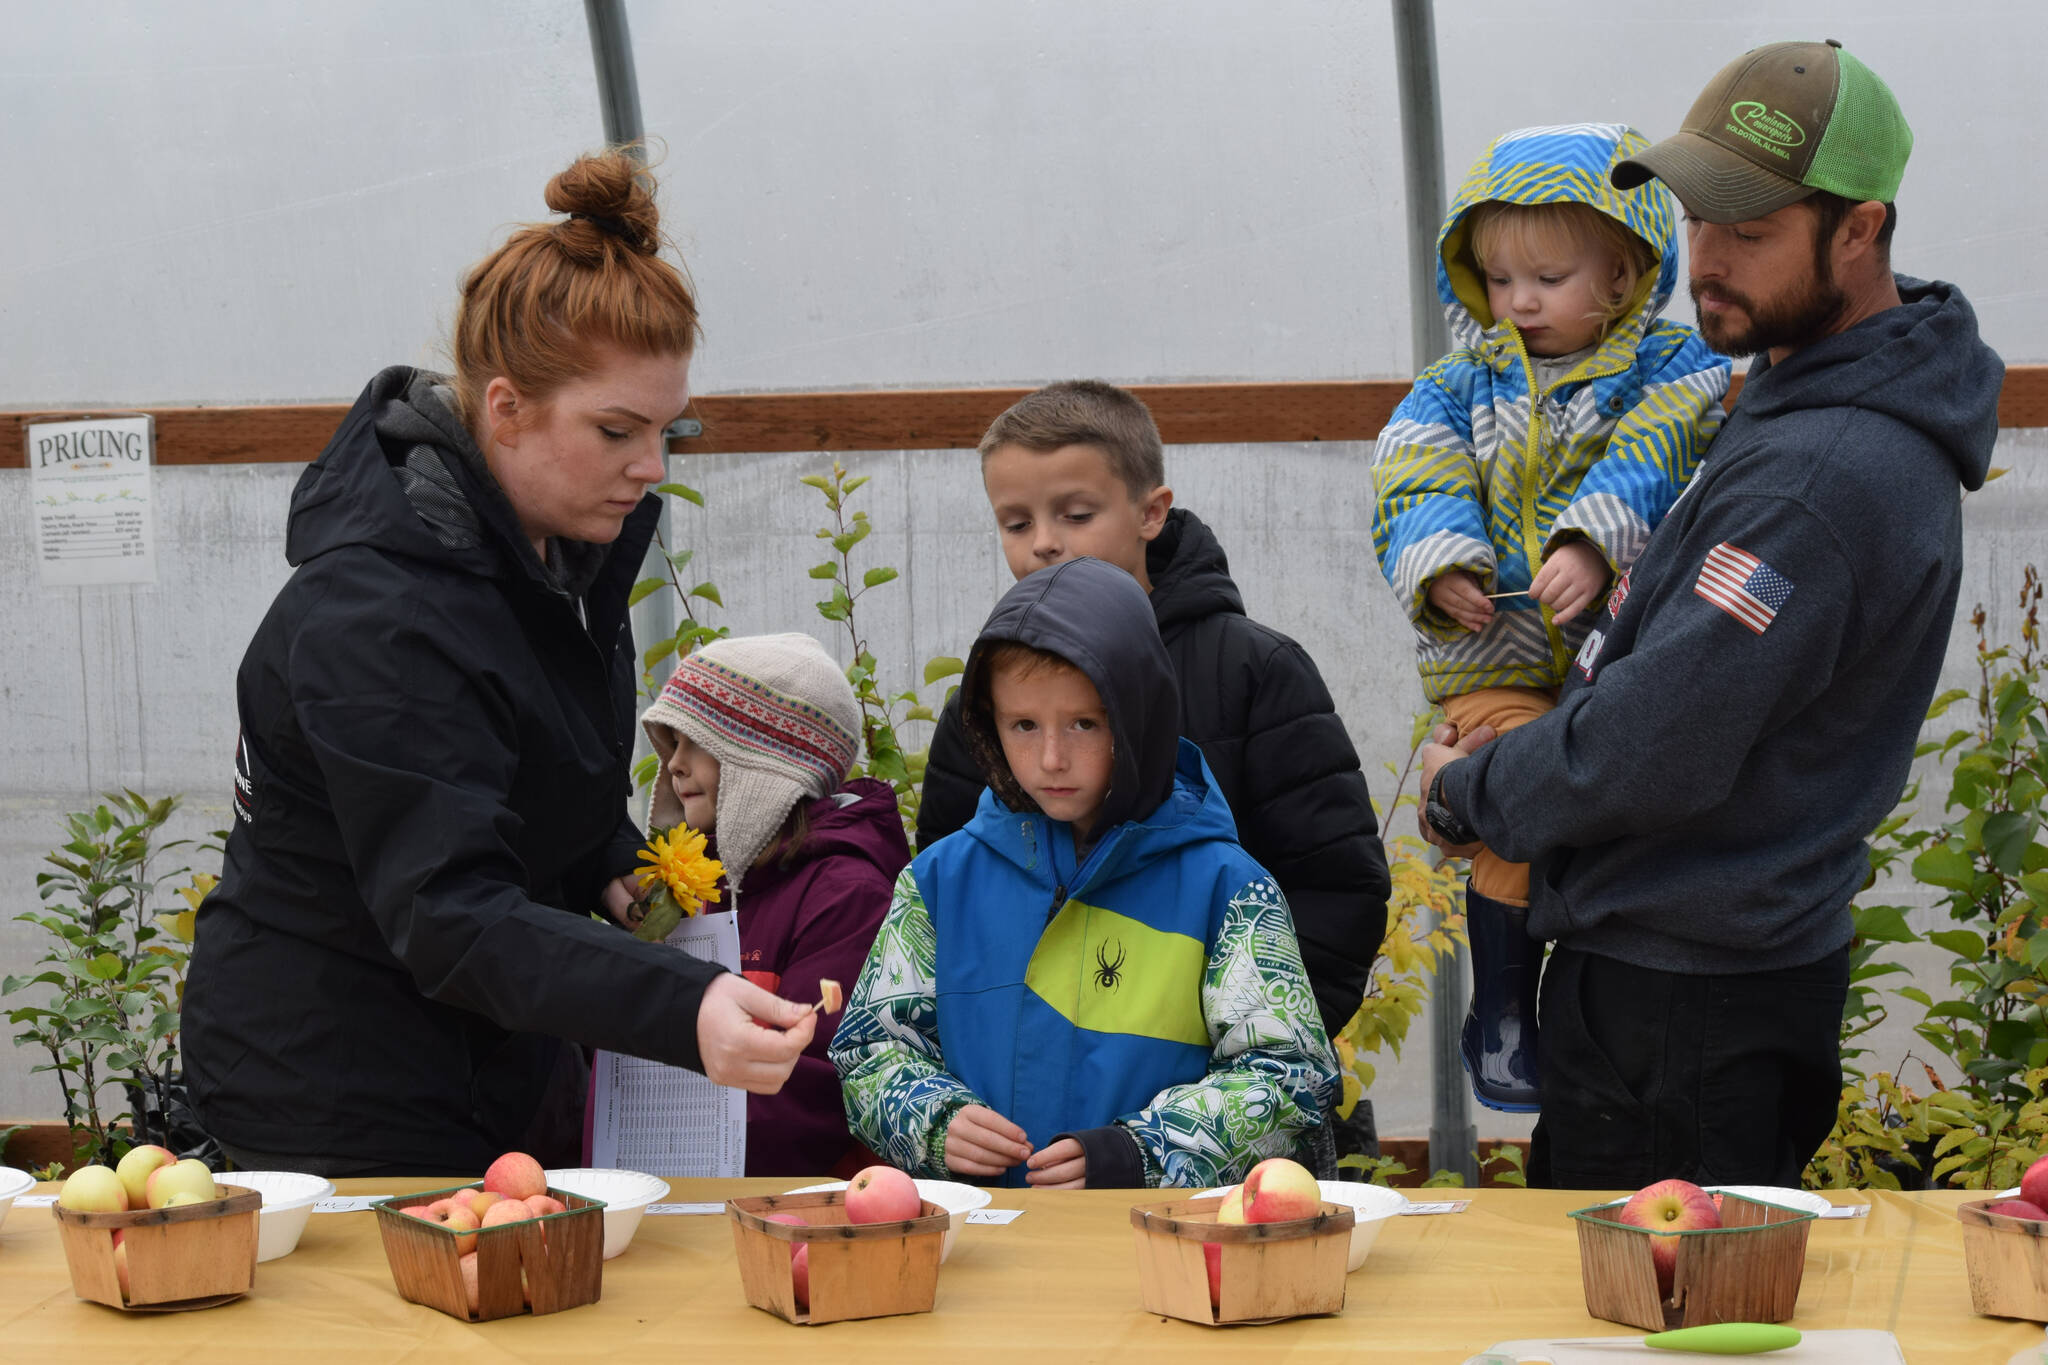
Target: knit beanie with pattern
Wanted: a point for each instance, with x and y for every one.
(782, 721)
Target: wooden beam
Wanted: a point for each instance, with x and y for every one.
(885, 419)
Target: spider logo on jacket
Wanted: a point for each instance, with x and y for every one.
(1109, 971)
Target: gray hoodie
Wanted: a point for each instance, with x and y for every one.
(1744, 713)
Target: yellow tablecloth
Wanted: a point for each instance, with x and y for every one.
(1058, 1283)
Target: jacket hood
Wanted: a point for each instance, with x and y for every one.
(1921, 364)
(402, 475)
(859, 820)
(1095, 616)
(1190, 576)
(1563, 164)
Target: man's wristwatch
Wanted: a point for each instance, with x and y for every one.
(1448, 826)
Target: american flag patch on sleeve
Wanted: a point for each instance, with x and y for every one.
(1742, 585)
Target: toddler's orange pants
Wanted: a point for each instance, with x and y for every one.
(1503, 708)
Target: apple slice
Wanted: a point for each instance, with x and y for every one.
(834, 998)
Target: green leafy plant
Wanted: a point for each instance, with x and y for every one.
(692, 632)
(108, 1013)
(881, 713)
(1987, 864)
(1425, 921)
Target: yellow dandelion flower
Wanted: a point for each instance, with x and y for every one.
(677, 861)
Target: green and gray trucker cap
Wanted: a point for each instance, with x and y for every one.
(1775, 125)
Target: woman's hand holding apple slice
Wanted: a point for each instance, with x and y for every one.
(734, 1047)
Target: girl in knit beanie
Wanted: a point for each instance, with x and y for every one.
(756, 736)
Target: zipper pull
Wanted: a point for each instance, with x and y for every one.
(1059, 900)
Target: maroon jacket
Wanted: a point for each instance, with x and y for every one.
(813, 920)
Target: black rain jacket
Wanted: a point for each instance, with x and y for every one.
(431, 792)
(1252, 699)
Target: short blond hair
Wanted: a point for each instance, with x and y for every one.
(1566, 225)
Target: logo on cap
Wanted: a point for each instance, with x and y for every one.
(1768, 128)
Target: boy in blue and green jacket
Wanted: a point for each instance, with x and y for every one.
(1524, 473)
(1091, 983)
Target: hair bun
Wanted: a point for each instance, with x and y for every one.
(608, 198)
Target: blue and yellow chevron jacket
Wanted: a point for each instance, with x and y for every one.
(1477, 470)
(1156, 986)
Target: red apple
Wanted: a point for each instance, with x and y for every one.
(469, 1285)
(2017, 1208)
(441, 1208)
(121, 1265)
(516, 1176)
(134, 1170)
(544, 1204)
(1231, 1211)
(1278, 1190)
(2034, 1184)
(1669, 1206)
(480, 1201)
(800, 1275)
(506, 1211)
(94, 1189)
(882, 1194)
(462, 1220)
(184, 1197)
(425, 1213)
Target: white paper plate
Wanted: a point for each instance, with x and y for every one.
(624, 1194)
(1371, 1206)
(13, 1184)
(288, 1199)
(1803, 1200)
(956, 1199)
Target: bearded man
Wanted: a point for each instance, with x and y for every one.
(1745, 712)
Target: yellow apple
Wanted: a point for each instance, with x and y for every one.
(189, 1176)
(94, 1189)
(135, 1168)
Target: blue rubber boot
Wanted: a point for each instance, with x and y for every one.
(1499, 1038)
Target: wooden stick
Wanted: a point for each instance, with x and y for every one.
(1523, 593)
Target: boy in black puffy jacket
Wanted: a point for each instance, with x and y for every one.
(1077, 469)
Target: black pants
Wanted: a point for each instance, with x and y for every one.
(1649, 1075)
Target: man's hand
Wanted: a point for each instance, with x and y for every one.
(623, 901)
(1445, 746)
(749, 1038)
(1062, 1166)
(1458, 595)
(1573, 577)
(979, 1141)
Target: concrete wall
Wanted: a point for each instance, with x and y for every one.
(233, 206)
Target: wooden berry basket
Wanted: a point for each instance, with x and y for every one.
(1746, 1270)
(858, 1270)
(192, 1256)
(1268, 1271)
(543, 1264)
(2007, 1261)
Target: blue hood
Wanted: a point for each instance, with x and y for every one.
(1564, 164)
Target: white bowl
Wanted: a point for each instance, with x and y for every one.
(1805, 1201)
(288, 1199)
(13, 1184)
(624, 1194)
(956, 1199)
(1371, 1206)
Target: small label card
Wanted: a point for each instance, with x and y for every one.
(1847, 1211)
(34, 1201)
(344, 1203)
(996, 1216)
(1439, 1206)
(660, 1209)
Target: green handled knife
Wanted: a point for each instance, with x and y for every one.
(1716, 1339)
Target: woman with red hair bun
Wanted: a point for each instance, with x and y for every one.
(409, 943)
